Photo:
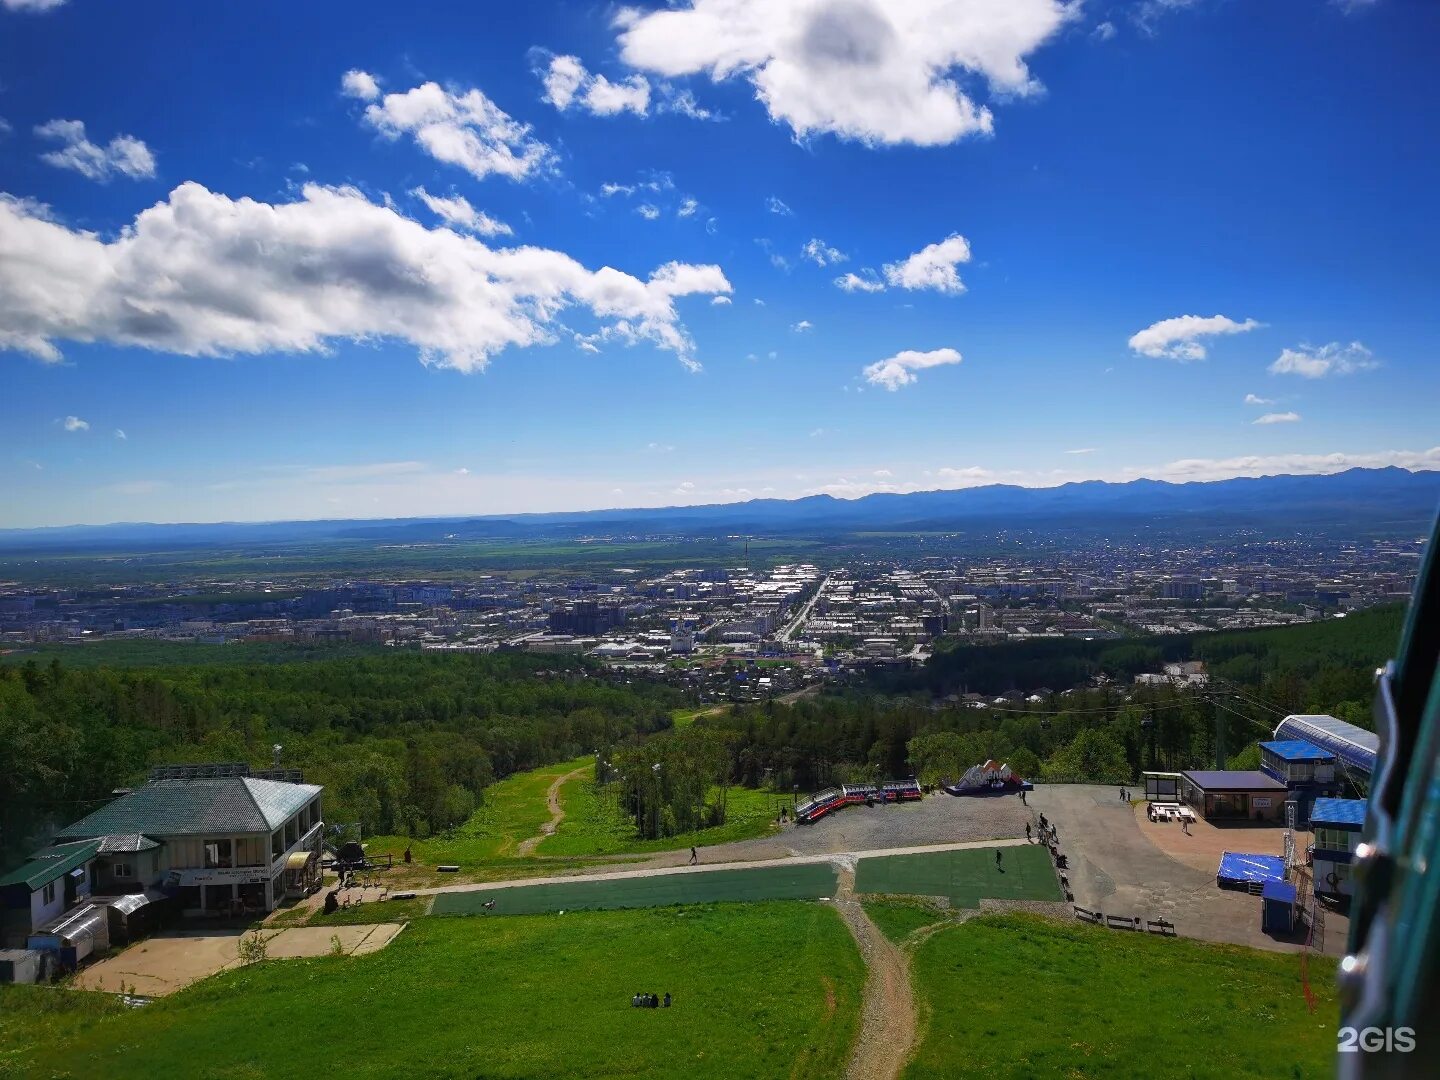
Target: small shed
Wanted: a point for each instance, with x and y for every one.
(1277, 908)
(76, 935)
(22, 966)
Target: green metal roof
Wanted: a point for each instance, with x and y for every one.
(51, 864)
(209, 806)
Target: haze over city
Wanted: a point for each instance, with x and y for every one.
(581, 256)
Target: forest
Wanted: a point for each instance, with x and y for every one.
(404, 742)
(407, 742)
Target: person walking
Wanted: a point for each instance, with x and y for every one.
(1027, 832)
(694, 857)
(998, 854)
(1022, 798)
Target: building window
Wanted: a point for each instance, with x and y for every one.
(1327, 839)
(121, 870)
(218, 853)
(47, 894)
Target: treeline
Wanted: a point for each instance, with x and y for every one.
(403, 742)
(920, 725)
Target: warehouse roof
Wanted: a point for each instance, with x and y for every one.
(51, 864)
(228, 804)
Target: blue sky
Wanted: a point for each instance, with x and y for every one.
(1085, 235)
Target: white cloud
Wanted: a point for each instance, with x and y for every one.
(568, 83)
(456, 211)
(360, 85)
(802, 326)
(712, 225)
(865, 281)
(932, 267)
(1256, 399)
(1278, 418)
(815, 434)
(899, 370)
(74, 423)
(1103, 31)
(877, 72)
(719, 300)
(777, 206)
(1178, 338)
(124, 155)
(1314, 362)
(617, 189)
(821, 253)
(31, 5)
(965, 477)
(1082, 450)
(204, 274)
(120, 434)
(463, 128)
(1201, 469)
(648, 212)
(687, 208)
(883, 474)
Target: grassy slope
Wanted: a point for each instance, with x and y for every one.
(514, 810)
(593, 825)
(900, 916)
(1020, 996)
(540, 996)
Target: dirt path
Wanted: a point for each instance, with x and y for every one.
(887, 1018)
(557, 812)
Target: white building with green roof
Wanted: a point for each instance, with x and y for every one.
(219, 843)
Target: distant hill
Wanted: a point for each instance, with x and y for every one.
(1387, 500)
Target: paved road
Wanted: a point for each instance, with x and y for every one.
(799, 619)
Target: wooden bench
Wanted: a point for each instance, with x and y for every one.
(1161, 926)
(1123, 922)
(1087, 915)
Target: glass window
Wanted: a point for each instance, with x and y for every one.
(219, 853)
(47, 894)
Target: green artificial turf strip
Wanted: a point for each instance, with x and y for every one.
(762, 990)
(1022, 996)
(966, 877)
(798, 881)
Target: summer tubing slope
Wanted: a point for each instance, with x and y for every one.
(799, 881)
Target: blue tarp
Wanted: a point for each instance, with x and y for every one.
(1237, 866)
(1341, 812)
(1280, 891)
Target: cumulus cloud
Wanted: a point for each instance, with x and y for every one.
(932, 267)
(687, 207)
(1179, 338)
(719, 300)
(777, 206)
(456, 211)
(74, 423)
(31, 5)
(202, 274)
(1316, 362)
(124, 155)
(569, 85)
(865, 281)
(821, 253)
(1256, 399)
(647, 211)
(360, 85)
(877, 72)
(463, 128)
(899, 370)
(802, 326)
(1278, 418)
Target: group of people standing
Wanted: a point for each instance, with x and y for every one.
(650, 1001)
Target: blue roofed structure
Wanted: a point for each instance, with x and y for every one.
(1239, 868)
(1353, 747)
(1338, 813)
(1297, 750)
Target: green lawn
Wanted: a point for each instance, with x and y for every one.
(796, 881)
(514, 810)
(760, 990)
(1020, 996)
(964, 876)
(594, 824)
(900, 916)
(377, 912)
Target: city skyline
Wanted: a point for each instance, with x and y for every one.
(574, 259)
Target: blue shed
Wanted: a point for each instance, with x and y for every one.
(1277, 907)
